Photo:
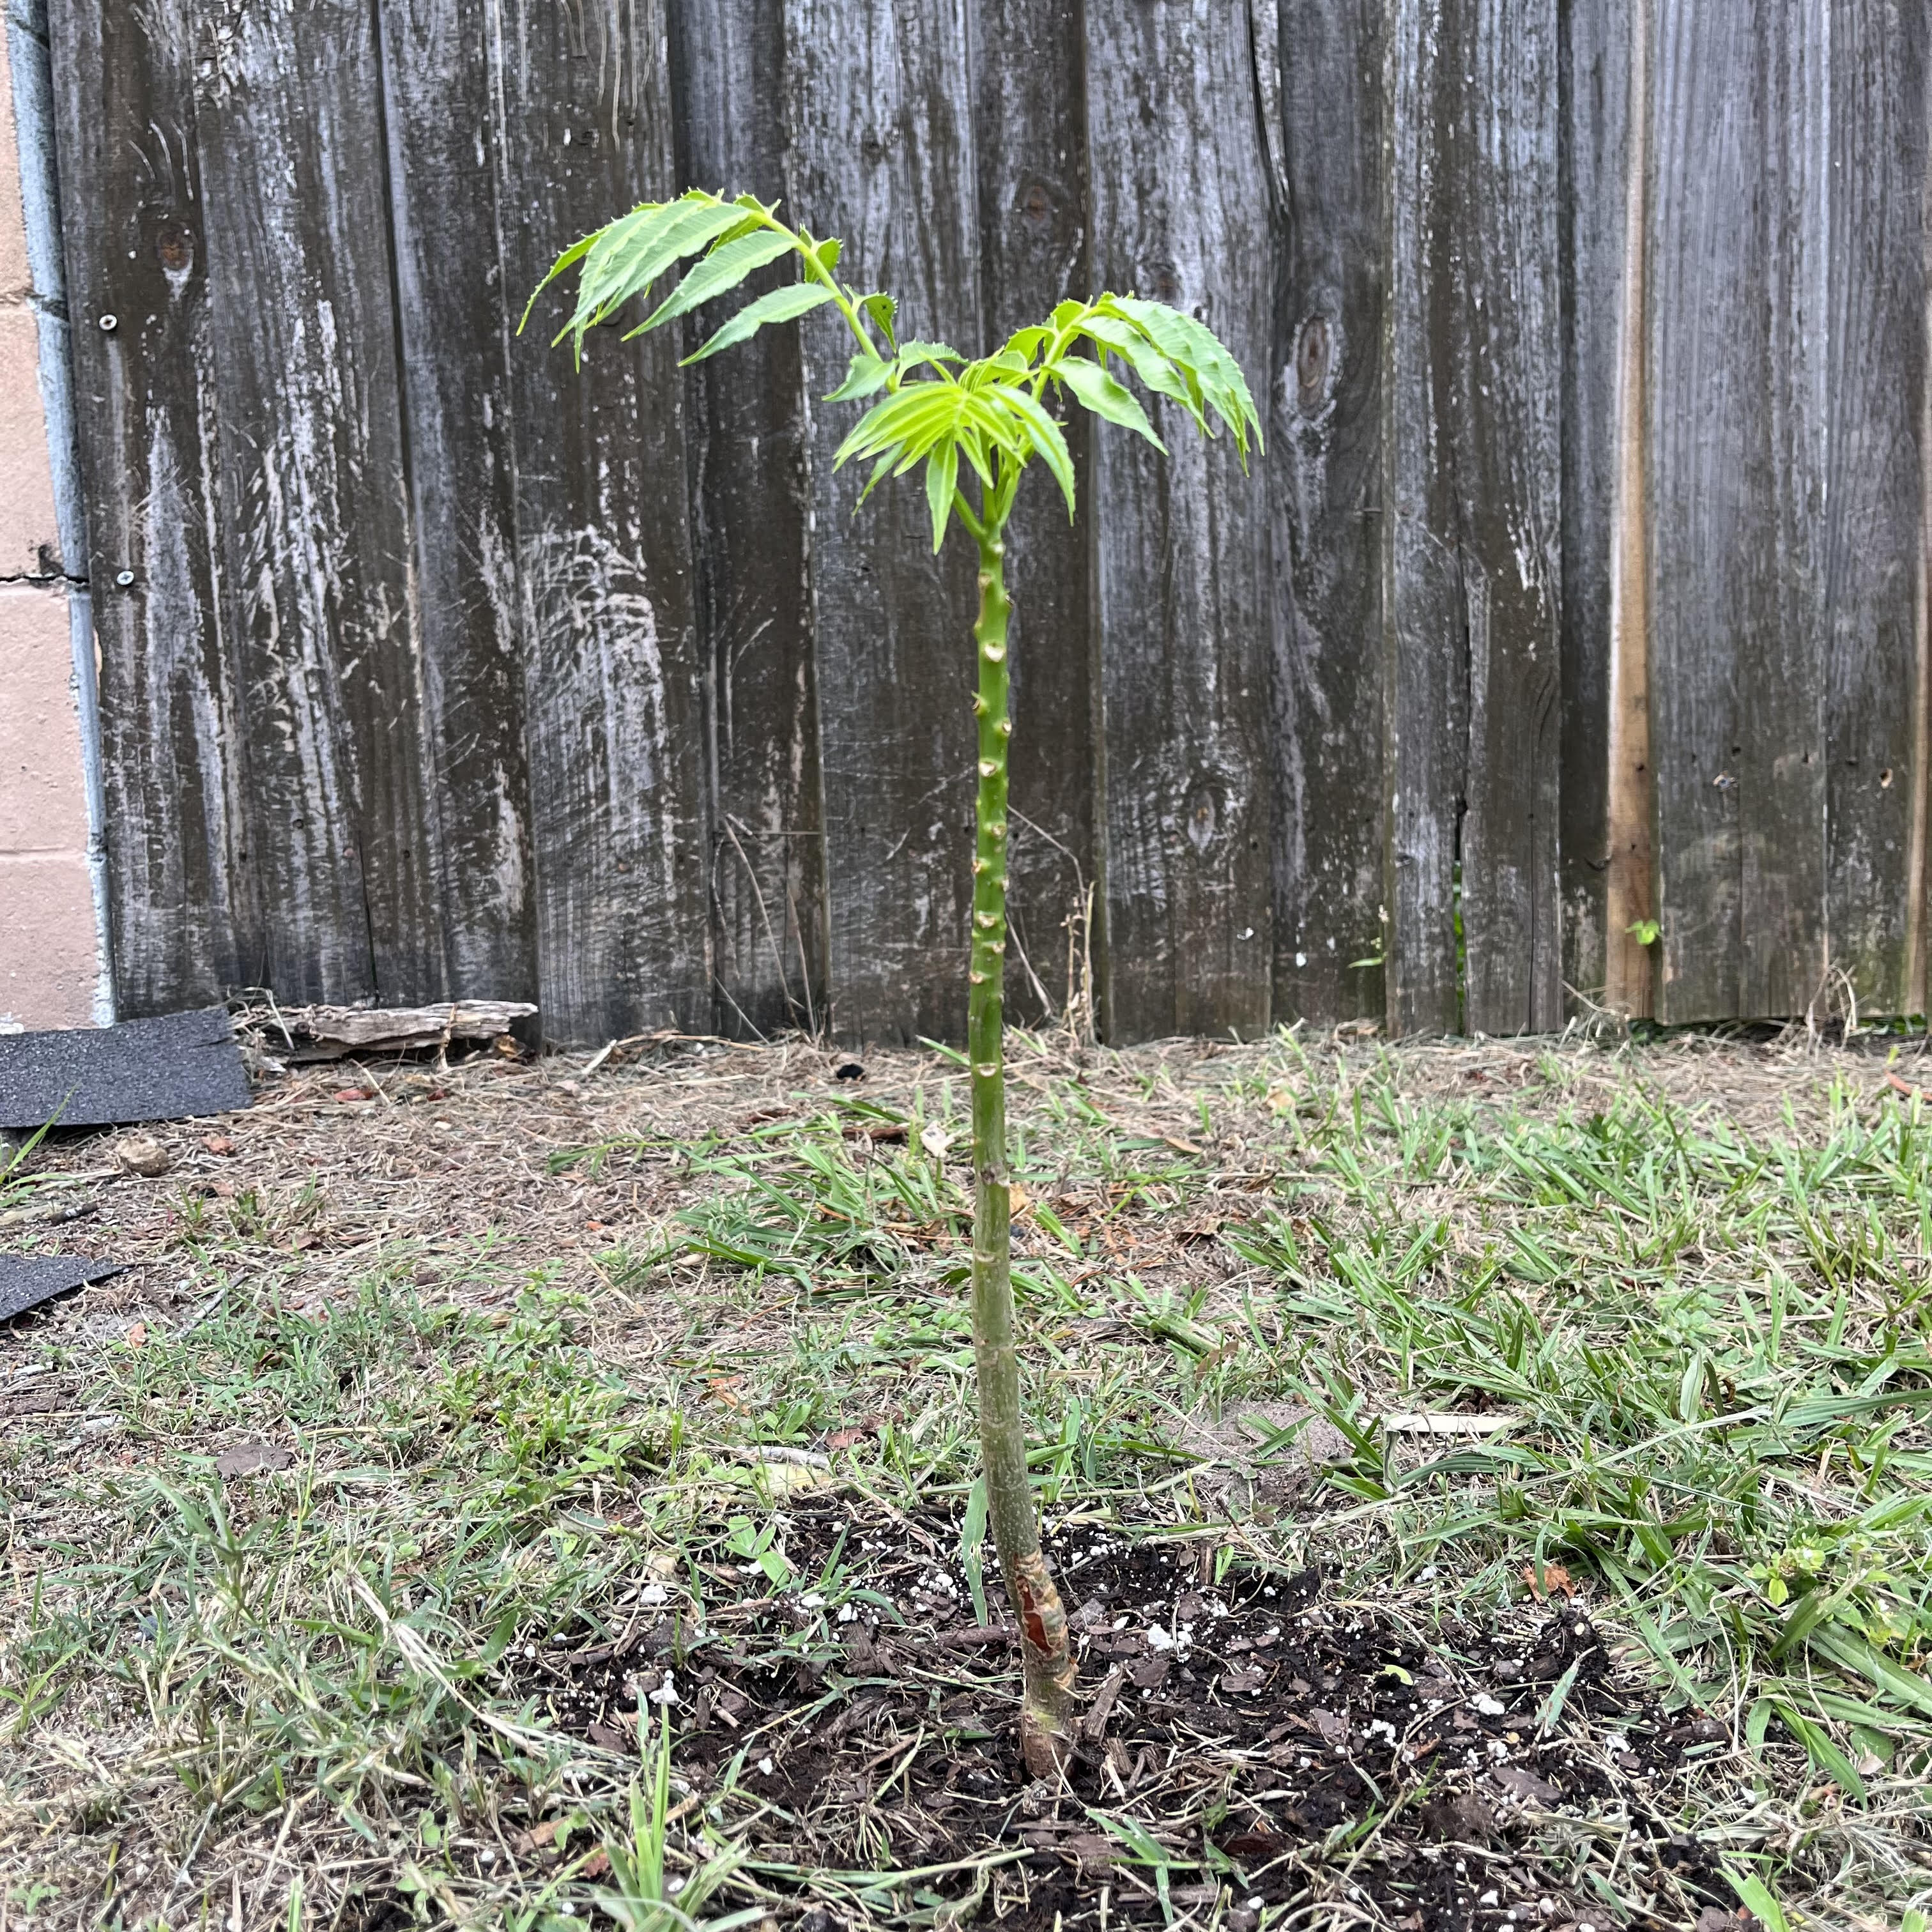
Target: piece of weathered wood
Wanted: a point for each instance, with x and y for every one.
(746, 426)
(882, 156)
(314, 511)
(1030, 120)
(613, 675)
(183, 883)
(1326, 754)
(327, 1033)
(1474, 410)
(1182, 212)
(452, 336)
(1598, 50)
(1875, 498)
(1738, 349)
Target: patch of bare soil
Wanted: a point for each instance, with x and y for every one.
(1248, 1742)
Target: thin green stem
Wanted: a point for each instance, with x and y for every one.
(848, 309)
(963, 511)
(1045, 1654)
(816, 271)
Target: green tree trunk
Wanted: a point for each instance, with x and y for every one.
(1046, 1656)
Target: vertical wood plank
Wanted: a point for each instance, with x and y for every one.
(1475, 412)
(1425, 661)
(314, 509)
(182, 882)
(746, 429)
(882, 156)
(1594, 164)
(1875, 489)
(451, 331)
(613, 677)
(1630, 962)
(1786, 950)
(1737, 219)
(1180, 212)
(1326, 421)
(1032, 148)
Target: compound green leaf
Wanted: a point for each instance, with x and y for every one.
(1145, 360)
(865, 376)
(626, 257)
(1043, 434)
(936, 355)
(909, 416)
(1192, 346)
(974, 445)
(880, 470)
(990, 412)
(994, 369)
(570, 256)
(1106, 397)
(942, 478)
(785, 304)
(723, 269)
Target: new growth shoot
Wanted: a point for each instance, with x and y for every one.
(974, 426)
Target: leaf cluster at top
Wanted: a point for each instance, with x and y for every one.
(935, 406)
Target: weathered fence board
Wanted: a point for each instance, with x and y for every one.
(1583, 577)
(452, 326)
(1031, 134)
(1595, 157)
(1875, 494)
(1427, 688)
(1182, 213)
(613, 681)
(1474, 402)
(1782, 703)
(1330, 809)
(882, 157)
(752, 548)
(1737, 223)
(314, 514)
(185, 916)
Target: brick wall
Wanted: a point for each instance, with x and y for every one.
(50, 967)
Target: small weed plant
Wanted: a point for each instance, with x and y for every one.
(971, 428)
(646, 1893)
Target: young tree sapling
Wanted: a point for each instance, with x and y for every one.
(974, 426)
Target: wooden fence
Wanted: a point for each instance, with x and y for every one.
(1582, 584)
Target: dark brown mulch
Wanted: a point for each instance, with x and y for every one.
(1280, 1747)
